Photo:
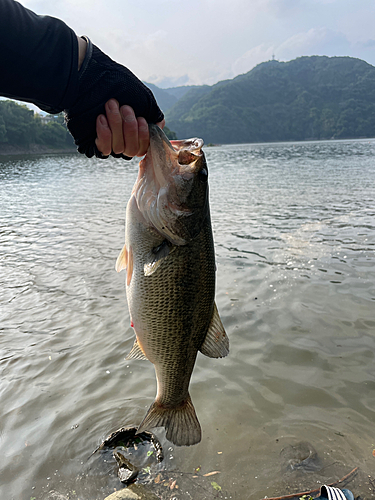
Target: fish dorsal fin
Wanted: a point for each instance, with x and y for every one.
(122, 260)
(136, 352)
(157, 256)
(216, 343)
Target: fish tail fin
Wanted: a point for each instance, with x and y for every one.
(181, 422)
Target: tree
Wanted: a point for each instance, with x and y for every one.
(20, 126)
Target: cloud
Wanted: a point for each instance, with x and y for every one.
(368, 44)
(169, 42)
(316, 41)
(119, 42)
(252, 57)
(165, 82)
(282, 7)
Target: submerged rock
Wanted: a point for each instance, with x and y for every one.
(300, 456)
(127, 436)
(127, 472)
(124, 439)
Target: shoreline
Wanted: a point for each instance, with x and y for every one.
(34, 149)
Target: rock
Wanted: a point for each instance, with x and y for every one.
(300, 456)
(133, 492)
(123, 495)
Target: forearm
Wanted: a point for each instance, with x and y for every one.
(43, 61)
(38, 58)
(82, 46)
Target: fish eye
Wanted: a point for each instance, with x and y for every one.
(203, 175)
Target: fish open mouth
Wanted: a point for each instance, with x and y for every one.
(165, 182)
(193, 145)
(180, 152)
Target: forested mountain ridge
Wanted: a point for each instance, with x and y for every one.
(314, 97)
(23, 131)
(21, 128)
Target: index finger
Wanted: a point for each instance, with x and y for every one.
(161, 124)
(143, 136)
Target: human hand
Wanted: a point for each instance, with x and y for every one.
(102, 80)
(120, 132)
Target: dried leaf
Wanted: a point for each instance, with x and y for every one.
(211, 473)
(373, 453)
(157, 479)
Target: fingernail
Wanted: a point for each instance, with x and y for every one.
(143, 128)
(126, 116)
(112, 104)
(103, 120)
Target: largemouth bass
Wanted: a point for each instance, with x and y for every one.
(170, 278)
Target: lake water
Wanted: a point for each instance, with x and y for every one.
(294, 228)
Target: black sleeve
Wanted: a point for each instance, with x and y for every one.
(38, 58)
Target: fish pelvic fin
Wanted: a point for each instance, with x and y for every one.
(136, 352)
(181, 423)
(216, 343)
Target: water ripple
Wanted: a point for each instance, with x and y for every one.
(295, 238)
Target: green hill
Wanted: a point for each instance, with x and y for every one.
(314, 97)
(21, 129)
(165, 100)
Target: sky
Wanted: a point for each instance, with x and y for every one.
(194, 42)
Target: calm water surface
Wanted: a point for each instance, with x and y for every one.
(294, 229)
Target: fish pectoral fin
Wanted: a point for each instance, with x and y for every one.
(216, 343)
(122, 260)
(136, 352)
(157, 256)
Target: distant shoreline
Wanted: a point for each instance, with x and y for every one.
(35, 149)
(39, 149)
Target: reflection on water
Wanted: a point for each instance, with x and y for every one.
(295, 239)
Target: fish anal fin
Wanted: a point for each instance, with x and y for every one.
(136, 352)
(122, 260)
(129, 268)
(216, 343)
(181, 423)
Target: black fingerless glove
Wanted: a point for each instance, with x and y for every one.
(101, 79)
